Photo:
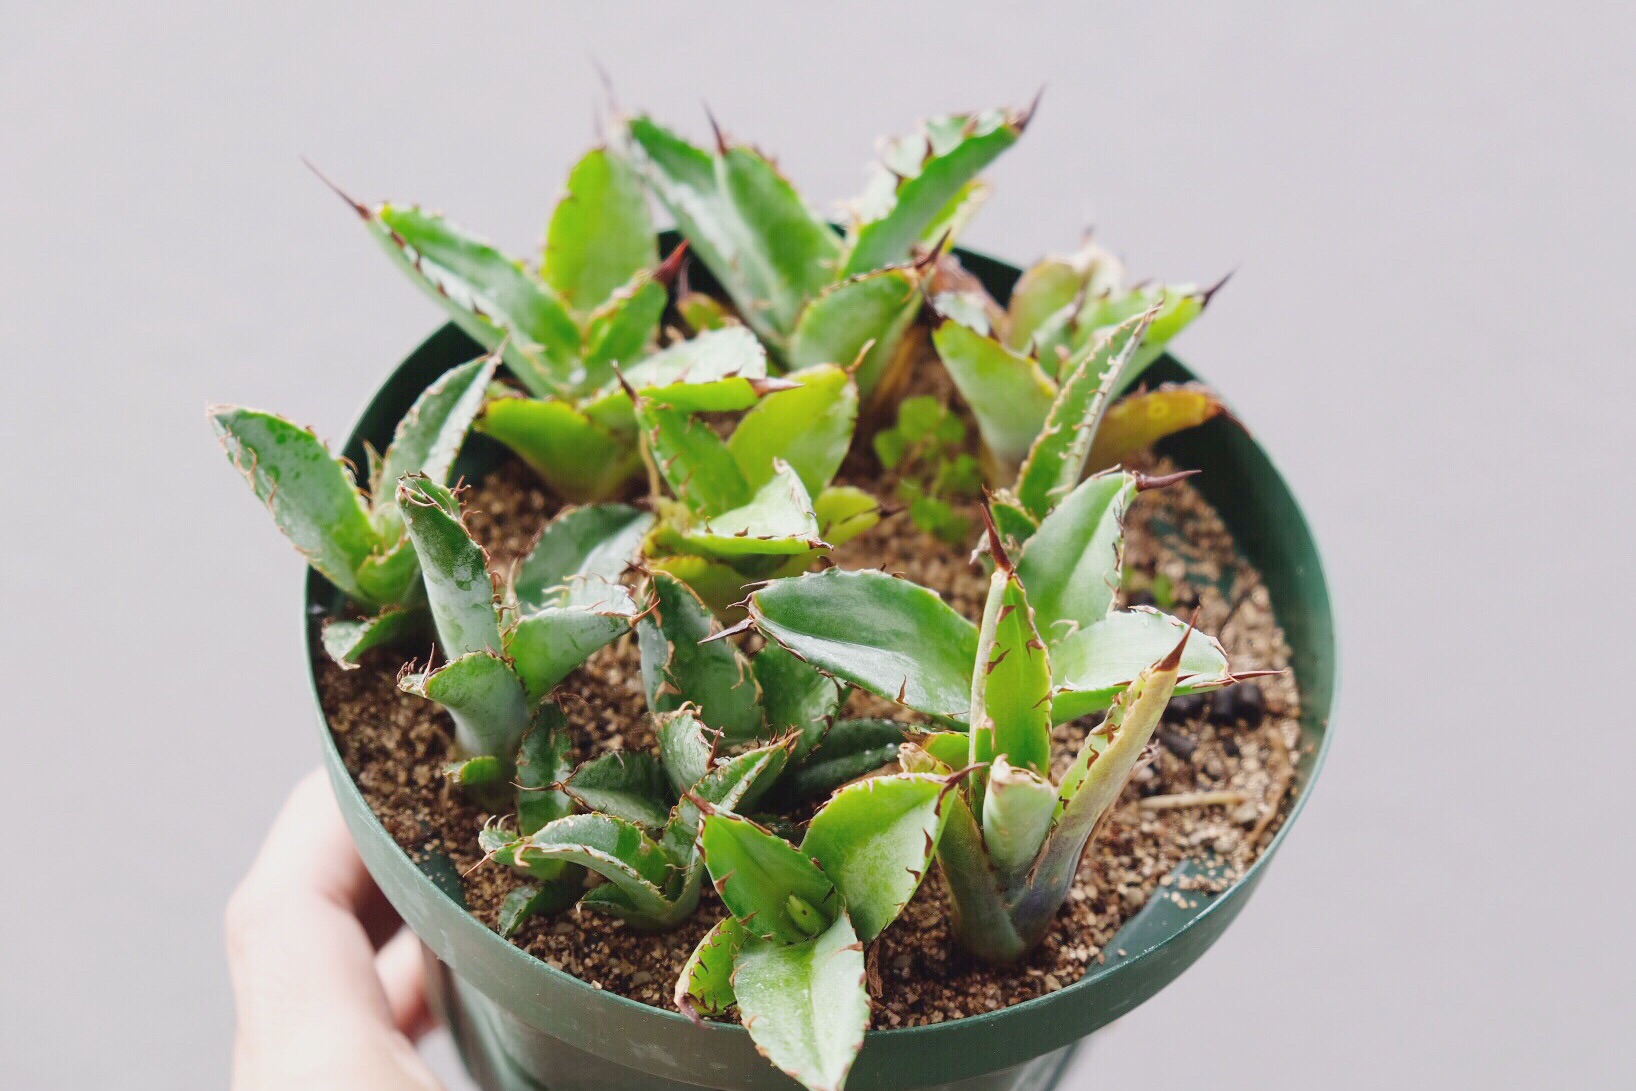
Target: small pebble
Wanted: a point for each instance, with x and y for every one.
(1178, 743)
(1185, 708)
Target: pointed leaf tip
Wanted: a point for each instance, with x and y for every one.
(1173, 661)
(674, 267)
(995, 547)
(357, 206)
(1144, 482)
(1210, 292)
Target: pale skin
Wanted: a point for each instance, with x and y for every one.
(330, 989)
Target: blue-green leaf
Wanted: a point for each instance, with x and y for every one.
(1094, 665)
(310, 494)
(458, 586)
(887, 635)
(600, 235)
(1071, 565)
(805, 1004)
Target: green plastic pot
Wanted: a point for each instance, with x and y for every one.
(521, 1025)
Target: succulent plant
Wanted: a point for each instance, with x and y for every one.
(1069, 322)
(595, 303)
(731, 730)
(759, 503)
(924, 448)
(1050, 648)
(812, 295)
(790, 954)
(501, 662)
(357, 541)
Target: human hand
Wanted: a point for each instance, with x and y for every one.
(331, 991)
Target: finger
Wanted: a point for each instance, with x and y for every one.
(401, 966)
(293, 930)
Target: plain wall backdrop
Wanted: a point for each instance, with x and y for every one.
(1431, 328)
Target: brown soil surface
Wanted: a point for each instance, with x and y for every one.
(396, 746)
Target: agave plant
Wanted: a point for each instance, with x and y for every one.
(1069, 323)
(355, 540)
(594, 303)
(502, 661)
(790, 954)
(759, 503)
(1050, 648)
(815, 296)
(731, 728)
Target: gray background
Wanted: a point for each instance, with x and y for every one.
(1430, 329)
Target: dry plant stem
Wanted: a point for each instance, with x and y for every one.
(1192, 799)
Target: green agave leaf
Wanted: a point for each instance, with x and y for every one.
(956, 149)
(844, 512)
(677, 668)
(1014, 523)
(600, 234)
(1071, 565)
(615, 849)
(950, 222)
(531, 900)
(777, 520)
(310, 494)
(859, 321)
(579, 457)
(1137, 422)
(805, 1004)
(621, 331)
(492, 297)
(735, 785)
(393, 574)
(686, 746)
(346, 640)
(886, 635)
(981, 918)
(1007, 392)
(625, 784)
(968, 310)
(597, 542)
(1091, 667)
(476, 772)
(874, 840)
(1173, 307)
(547, 645)
(430, 435)
(1057, 459)
(716, 583)
(482, 696)
(725, 207)
(458, 586)
(847, 751)
(786, 253)
(1018, 806)
(702, 312)
(1051, 292)
(716, 372)
(757, 873)
(542, 763)
(808, 427)
(1011, 685)
(1095, 784)
(705, 986)
(947, 750)
(798, 699)
(693, 460)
